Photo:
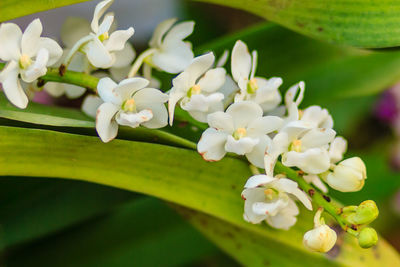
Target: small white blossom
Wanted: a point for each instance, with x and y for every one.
(171, 54)
(27, 55)
(99, 45)
(348, 175)
(128, 103)
(260, 90)
(242, 129)
(197, 89)
(321, 238)
(268, 198)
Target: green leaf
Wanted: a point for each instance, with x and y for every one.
(129, 235)
(174, 174)
(11, 9)
(361, 23)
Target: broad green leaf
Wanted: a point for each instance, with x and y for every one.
(142, 232)
(53, 116)
(11, 9)
(361, 23)
(34, 208)
(173, 174)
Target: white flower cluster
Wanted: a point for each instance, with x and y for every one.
(244, 112)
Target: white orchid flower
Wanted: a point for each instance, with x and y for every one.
(242, 129)
(269, 198)
(197, 89)
(27, 55)
(129, 103)
(169, 52)
(347, 176)
(260, 90)
(100, 46)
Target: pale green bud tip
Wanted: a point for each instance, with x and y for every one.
(367, 237)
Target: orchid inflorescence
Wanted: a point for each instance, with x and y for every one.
(293, 153)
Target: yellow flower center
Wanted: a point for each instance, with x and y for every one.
(296, 145)
(270, 193)
(252, 86)
(239, 133)
(129, 105)
(24, 61)
(104, 36)
(194, 90)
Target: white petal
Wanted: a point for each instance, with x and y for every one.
(241, 61)
(105, 24)
(160, 115)
(202, 116)
(264, 125)
(105, 89)
(55, 89)
(10, 41)
(106, 126)
(312, 161)
(259, 180)
(222, 59)
(279, 145)
(98, 12)
(74, 91)
(270, 208)
(118, 39)
(251, 196)
(199, 66)
(38, 68)
(337, 148)
(244, 113)
(54, 49)
(221, 121)
(124, 57)
(160, 30)
(256, 156)
(292, 188)
(317, 116)
(295, 129)
(98, 54)
(12, 87)
(292, 92)
(150, 95)
(211, 145)
(317, 137)
(31, 37)
(229, 88)
(134, 119)
(179, 32)
(73, 29)
(201, 102)
(90, 105)
(268, 95)
(242, 146)
(285, 218)
(127, 87)
(174, 96)
(315, 180)
(173, 58)
(212, 80)
(118, 74)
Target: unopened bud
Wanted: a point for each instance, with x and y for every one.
(348, 175)
(320, 239)
(367, 237)
(365, 213)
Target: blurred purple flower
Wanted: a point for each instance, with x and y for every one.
(388, 108)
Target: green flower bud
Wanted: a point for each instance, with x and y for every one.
(367, 237)
(365, 213)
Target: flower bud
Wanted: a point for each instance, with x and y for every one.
(320, 239)
(348, 175)
(365, 213)
(367, 237)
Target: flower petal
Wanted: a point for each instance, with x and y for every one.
(256, 156)
(12, 87)
(279, 145)
(55, 89)
(127, 87)
(90, 105)
(337, 148)
(174, 96)
(211, 145)
(221, 121)
(201, 102)
(269, 208)
(160, 30)
(38, 68)
(106, 126)
(105, 24)
(251, 196)
(291, 187)
(268, 95)
(118, 39)
(318, 116)
(98, 12)
(317, 137)
(259, 180)
(98, 55)
(54, 49)
(264, 125)
(134, 119)
(212, 80)
(244, 112)
(199, 65)
(10, 41)
(149, 96)
(74, 91)
(160, 115)
(241, 61)
(242, 146)
(296, 90)
(285, 218)
(179, 32)
(173, 58)
(30, 38)
(312, 161)
(124, 57)
(105, 89)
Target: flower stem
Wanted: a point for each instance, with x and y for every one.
(70, 77)
(318, 198)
